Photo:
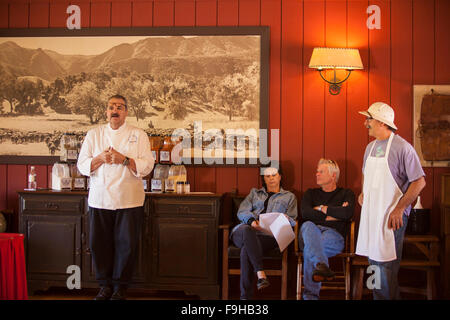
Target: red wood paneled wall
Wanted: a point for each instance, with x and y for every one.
(412, 47)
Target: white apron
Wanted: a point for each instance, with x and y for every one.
(381, 195)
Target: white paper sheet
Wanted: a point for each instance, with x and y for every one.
(277, 225)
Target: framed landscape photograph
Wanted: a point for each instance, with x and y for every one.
(211, 80)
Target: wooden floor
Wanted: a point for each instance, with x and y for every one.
(55, 293)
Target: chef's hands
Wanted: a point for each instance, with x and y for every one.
(396, 219)
(111, 156)
(115, 156)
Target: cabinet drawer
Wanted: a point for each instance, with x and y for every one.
(184, 207)
(48, 203)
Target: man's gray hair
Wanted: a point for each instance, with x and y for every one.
(333, 166)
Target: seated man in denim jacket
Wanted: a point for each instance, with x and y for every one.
(248, 235)
(325, 212)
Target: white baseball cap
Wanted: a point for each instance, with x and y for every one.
(381, 112)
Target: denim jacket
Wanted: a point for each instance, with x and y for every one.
(251, 207)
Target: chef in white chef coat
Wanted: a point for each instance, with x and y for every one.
(116, 156)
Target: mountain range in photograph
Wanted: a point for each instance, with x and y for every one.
(194, 56)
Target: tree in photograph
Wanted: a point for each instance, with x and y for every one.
(54, 95)
(178, 96)
(85, 99)
(28, 96)
(134, 90)
(8, 91)
(251, 83)
(232, 95)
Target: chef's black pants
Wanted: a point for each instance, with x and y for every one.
(113, 239)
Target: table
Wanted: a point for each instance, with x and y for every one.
(13, 282)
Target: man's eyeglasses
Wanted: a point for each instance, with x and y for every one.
(369, 118)
(115, 104)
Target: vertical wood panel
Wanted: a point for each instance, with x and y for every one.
(249, 12)
(3, 187)
(357, 94)
(379, 72)
(163, 13)
(17, 180)
(185, 13)
(435, 216)
(85, 8)
(271, 16)
(335, 105)
(291, 94)
(427, 193)
(401, 74)
(4, 14)
(205, 179)
(121, 14)
(18, 14)
(142, 13)
(58, 15)
(442, 42)
(100, 14)
(313, 92)
(247, 179)
(39, 14)
(190, 171)
(423, 41)
(206, 13)
(226, 179)
(227, 12)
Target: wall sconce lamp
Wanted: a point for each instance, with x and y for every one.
(335, 58)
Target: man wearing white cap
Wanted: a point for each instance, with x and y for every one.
(392, 180)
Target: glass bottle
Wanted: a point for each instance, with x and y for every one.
(32, 183)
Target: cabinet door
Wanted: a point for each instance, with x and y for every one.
(52, 244)
(184, 250)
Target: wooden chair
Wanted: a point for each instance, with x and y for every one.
(342, 280)
(230, 252)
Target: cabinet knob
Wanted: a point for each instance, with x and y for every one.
(50, 205)
(183, 209)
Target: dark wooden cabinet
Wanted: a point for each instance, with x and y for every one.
(178, 249)
(54, 237)
(184, 245)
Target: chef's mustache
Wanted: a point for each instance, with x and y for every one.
(114, 115)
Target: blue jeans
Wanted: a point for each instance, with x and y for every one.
(253, 246)
(318, 243)
(389, 289)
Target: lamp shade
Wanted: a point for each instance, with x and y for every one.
(339, 58)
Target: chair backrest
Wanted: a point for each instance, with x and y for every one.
(236, 201)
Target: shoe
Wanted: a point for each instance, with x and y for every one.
(322, 273)
(119, 294)
(104, 294)
(262, 283)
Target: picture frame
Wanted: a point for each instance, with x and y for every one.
(172, 76)
(419, 92)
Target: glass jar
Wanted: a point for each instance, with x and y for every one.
(187, 187)
(155, 146)
(68, 148)
(164, 153)
(180, 187)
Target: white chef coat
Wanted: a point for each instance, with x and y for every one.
(115, 186)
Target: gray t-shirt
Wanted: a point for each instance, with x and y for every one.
(403, 161)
